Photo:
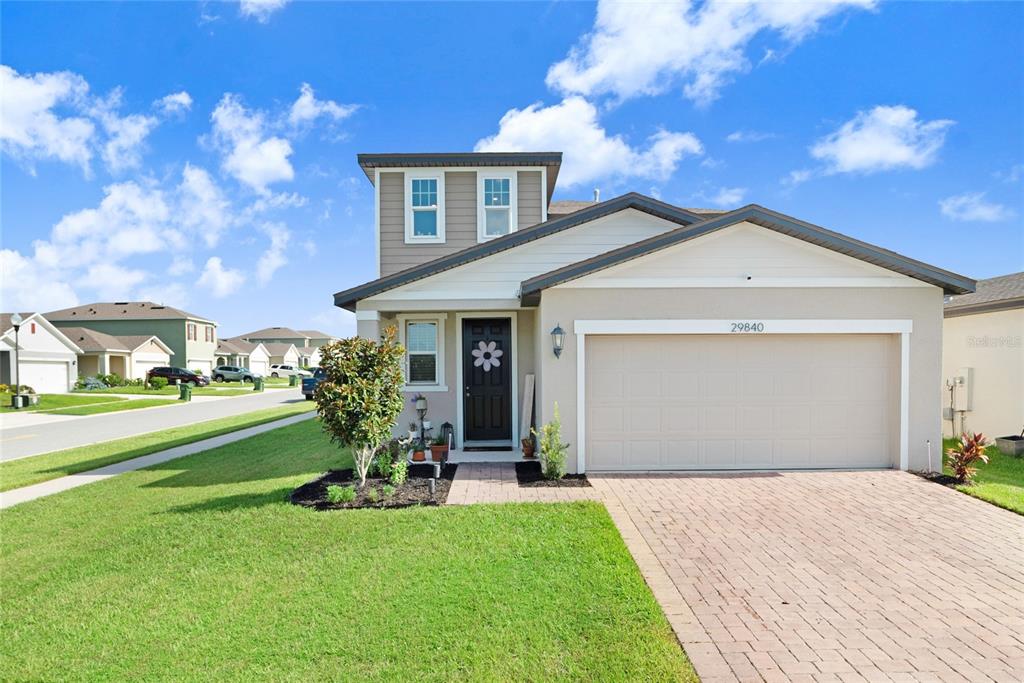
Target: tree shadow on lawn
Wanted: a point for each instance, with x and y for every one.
(242, 501)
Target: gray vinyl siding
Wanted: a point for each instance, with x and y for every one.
(460, 188)
(530, 198)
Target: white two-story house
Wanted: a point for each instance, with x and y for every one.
(670, 338)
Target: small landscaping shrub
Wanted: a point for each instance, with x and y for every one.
(552, 450)
(373, 495)
(968, 451)
(360, 396)
(158, 383)
(4, 389)
(341, 494)
(388, 490)
(399, 472)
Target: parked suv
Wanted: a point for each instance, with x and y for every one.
(178, 376)
(277, 370)
(232, 373)
(309, 383)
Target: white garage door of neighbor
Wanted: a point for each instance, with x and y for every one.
(259, 367)
(144, 366)
(45, 377)
(679, 402)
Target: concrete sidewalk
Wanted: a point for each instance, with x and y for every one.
(56, 433)
(48, 488)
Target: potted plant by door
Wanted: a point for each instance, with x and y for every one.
(413, 431)
(438, 448)
(528, 448)
(418, 451)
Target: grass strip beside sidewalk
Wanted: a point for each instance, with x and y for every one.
(37, 468)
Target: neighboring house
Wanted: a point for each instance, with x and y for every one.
(130, 356)
(983, 343)
(244, 354)
(309, 356)
(282, 354)
(302, 339)
(692, 340)
(191, 338)
(47, 358)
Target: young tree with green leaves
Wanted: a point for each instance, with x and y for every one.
(360, 397)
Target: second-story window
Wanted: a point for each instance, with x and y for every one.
(497, 214)
(191, 332)
(209, 333)
(424, 209)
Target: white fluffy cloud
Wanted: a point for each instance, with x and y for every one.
(112, 282)
(126, 135)
(220, 281)
(260, 10)
(973, 207)
(648, 48)
(26, 286)
(203, 209)
(275, 255)
(748, 136)
(881, 139)
(175, 103)
(728, 197)
(251, 155)
(591, 154)
(307, 108)
(31, 128)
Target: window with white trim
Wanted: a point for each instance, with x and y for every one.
(421, 346)
(497, 213)
(424, 208)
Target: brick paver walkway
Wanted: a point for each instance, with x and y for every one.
(815, 576)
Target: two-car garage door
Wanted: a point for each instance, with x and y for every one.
(677, 402)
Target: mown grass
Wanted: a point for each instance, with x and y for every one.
(169, 391)
(115, 406)
(199, 569)
(55, 401)
(1000, 482)
(37, 468)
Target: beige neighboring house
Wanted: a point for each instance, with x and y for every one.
(130, 356)
(47, 358)
(307, 342)
(983, 358)
(282, 354)
(242, 353)
(670, 338)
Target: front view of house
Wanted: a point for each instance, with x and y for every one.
(670, 338)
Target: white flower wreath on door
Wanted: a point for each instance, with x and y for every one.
(487, 355)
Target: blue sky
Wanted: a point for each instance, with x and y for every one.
(239, 198)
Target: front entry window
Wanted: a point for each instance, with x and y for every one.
(421, 345)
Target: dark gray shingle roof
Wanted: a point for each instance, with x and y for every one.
(993, 294)
(122, 310)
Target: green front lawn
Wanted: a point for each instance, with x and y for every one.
(1000, 482)
(198, 569)
(170, 391)
(116, 406)
(37, 468)
(52, 401)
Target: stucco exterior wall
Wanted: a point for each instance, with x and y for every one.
(187, 354)
(993, 345)
(923, 306)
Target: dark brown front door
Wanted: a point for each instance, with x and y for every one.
(487, 376)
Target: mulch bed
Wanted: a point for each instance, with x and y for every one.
(529, 475)
(939, 478)
(415, 491)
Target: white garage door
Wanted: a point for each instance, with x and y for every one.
(259, 367)
(144, 366)
(676, 402)
(46, 377)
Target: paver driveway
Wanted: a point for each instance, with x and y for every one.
(829, 575)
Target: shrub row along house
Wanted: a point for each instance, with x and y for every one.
(670, 338)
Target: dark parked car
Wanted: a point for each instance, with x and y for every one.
(309, 383)
(178, 376)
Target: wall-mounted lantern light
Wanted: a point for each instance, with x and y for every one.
(558, 340)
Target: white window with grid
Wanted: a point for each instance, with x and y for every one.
(422, 335)
(424, 209)
(497, 205)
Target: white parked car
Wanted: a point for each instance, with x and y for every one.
(278, 370)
